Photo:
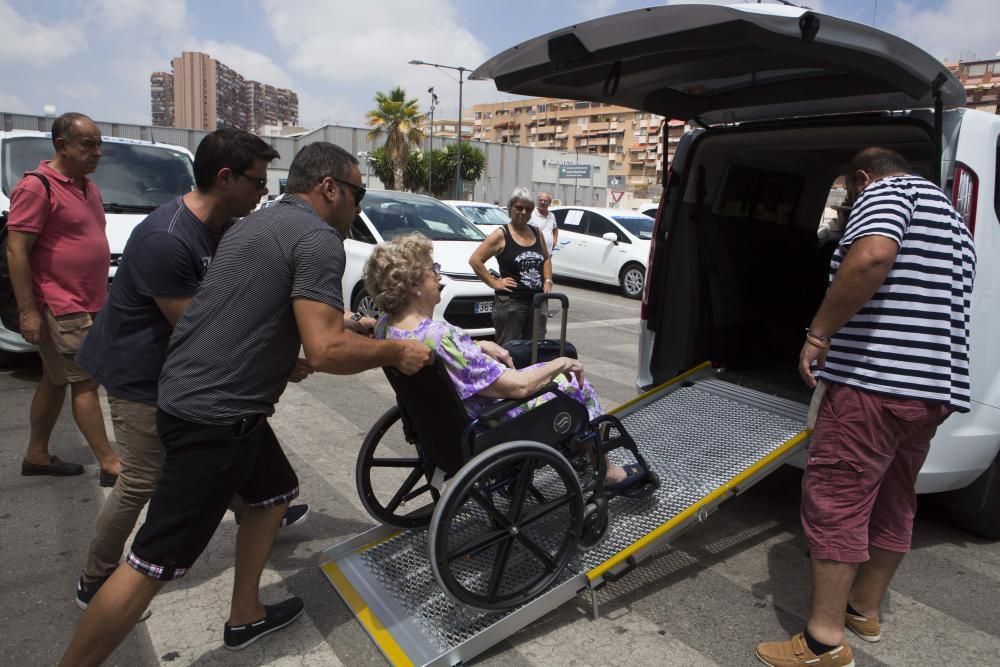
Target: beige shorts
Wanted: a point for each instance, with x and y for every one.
(64, 335)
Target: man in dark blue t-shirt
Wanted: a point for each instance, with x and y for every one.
(165, 260)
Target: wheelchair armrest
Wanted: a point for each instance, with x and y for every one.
(503, 407)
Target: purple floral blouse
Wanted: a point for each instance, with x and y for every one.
(472, 370)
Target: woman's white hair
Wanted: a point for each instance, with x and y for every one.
(519, 194)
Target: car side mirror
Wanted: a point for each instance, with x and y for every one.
(611, 236)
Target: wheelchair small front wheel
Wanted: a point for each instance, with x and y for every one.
(506, 526)
(595, 523)
(391, 475)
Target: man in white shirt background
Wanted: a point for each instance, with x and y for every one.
(543, 219)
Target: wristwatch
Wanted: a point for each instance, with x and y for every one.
(356, 316)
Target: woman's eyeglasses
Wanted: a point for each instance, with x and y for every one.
(436, 268)
(521, 208)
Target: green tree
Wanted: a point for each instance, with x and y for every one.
(473, 162)
(396, 119)
(380, 166)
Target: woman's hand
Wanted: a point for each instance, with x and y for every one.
(571, 368)
(497, 352)
(505, 284)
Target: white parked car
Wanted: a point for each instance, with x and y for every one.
(466, 301)
(606, 245)
(649, 209)
(740, 272)
(134, 177)
(485, 216)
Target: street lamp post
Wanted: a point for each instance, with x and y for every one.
(430, 149)
(458, 162)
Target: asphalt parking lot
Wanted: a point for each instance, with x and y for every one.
(739, 578)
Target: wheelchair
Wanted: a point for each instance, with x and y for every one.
(507, 502)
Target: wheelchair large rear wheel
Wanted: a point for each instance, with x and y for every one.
(392, 476)
(506, 526)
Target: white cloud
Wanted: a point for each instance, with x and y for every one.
(13, 104)
(592, 9)
(250, 64)
(957, 28)
(815, 5)
(152, 17)
(34, 43)
(373, 42)
(81, 90)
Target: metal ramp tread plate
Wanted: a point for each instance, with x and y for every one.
(707, 439)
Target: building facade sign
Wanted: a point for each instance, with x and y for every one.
(574, 171)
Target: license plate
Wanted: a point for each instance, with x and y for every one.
(481, 307)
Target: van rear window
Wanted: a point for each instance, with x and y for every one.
(759, 194)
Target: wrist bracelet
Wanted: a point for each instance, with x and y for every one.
(822, 342)
(822, 339)
(816, 343)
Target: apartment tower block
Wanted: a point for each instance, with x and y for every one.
(204, 94)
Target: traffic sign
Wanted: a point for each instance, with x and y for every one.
(616, 196)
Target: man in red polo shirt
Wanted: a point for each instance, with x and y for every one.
(58, 255)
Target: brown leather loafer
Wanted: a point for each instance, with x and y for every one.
(56, 468)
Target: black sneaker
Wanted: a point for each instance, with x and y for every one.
(276, 616)
(294, 515)
(85, 593)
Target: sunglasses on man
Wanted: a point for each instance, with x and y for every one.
(357, 191)
(259, 182)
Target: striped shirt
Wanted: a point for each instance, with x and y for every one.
(911, 339)
(233, 349)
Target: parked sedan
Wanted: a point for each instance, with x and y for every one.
(485, 216)
(466, 301)
(606, 245)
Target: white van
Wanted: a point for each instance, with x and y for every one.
(782, 98)
(134, 177)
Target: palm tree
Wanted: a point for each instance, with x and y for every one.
(397, 118)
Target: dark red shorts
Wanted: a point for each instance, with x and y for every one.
(859, 484)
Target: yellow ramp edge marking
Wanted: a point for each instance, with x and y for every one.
(719, 492)
(375, 543)
(674, 380)
(379, 634)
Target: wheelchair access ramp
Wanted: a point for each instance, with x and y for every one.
(706, 438)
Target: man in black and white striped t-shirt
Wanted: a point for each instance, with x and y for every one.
(890, 344)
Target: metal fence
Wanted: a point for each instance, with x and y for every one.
(507, 166)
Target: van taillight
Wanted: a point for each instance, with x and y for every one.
(644, 310)
(964, 194)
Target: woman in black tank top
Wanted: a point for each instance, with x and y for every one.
(525, 270)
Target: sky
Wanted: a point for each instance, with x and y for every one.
(96, 56)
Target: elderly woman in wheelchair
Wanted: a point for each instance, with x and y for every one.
(511, 463)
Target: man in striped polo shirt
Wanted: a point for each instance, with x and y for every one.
(273, 288)
(890, 343)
